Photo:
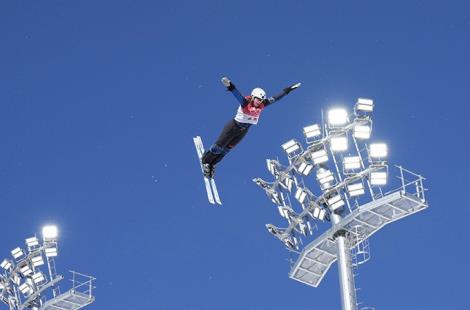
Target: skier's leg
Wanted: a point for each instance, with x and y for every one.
(237, 136)
(217, 149)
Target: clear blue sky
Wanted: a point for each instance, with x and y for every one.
(99, 101)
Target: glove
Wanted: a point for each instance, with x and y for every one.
(291, 88)
(227, 83)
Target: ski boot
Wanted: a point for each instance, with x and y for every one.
(208, 170)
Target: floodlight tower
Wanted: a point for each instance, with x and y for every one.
(341, 180)
(24, 286)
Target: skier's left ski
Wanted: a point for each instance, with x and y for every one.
(211, 188)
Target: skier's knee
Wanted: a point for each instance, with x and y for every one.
(216, 149)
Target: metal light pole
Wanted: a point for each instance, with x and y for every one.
(343, 176)
(24, 286)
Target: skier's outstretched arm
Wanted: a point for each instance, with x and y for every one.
(236, 93)
(284, 92)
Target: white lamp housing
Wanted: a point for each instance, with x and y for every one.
(291, 147)
(378, 178)
(362, 131)
(305, 168)
(51, 252)
(288, 183)
(339, 144)
(337, 117)
(300, 195)
(25, 289)
(319, 213)
(17, 253)
(32, 242)
(352, 163)
(356, 189)
(378, 150)
(283, 211)
(50, 232)
(312, 131)
(319, 157)
(37, 261)
(364, 105)
(325, 177)
(270, 165)
(26, 270)
(38, 278)
(335, 202)
(6, 264)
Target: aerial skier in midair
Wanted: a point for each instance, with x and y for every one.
(248, 114)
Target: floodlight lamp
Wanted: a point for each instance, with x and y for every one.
(37, 261)
(316, 212)
(50, 232)
(17, 253)
(305, 168)
(283, 211)
(312, 131)
(325, 177)
(38, 278)
(378, 150)
(351, 163)
(6, 264)
(288, 183)
(291, 146)
(356, 189)
(335, 202)
(25, 270)
(337, 117)
(319, 157)
(32, 242)
(339, 144)
(300, 195)
(25, 289)
(378, 178)
(364, 105)
(362, 131)
(51, 252)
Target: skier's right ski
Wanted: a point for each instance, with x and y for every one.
(210, 184)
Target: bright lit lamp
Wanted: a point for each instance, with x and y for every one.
(50, 232)
(325, 177)
(378, 178)
(337, 117)
(356, 189)
(352, 163)
(378, 150)
(319, 157)
(339, 144)
(362, 131)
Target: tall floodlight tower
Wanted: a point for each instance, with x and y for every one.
(23, 285)
(345, 187)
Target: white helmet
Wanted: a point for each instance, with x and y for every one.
(258, 93)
